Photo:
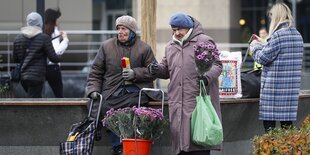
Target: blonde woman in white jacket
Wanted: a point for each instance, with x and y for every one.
(53, 74)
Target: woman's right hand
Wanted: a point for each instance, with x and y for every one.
(64, 35)
(153, 68)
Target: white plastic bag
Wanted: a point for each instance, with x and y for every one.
(229, 80)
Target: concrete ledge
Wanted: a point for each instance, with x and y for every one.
(43, 101)
(83, 101)
(37, 126)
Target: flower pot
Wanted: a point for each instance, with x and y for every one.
(136, 146)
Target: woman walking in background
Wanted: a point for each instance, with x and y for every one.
(53, 74)
(281, 57)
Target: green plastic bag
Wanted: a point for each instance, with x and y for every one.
(206, 126)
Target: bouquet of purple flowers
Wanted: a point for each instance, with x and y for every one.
(132, 122)
(205, 54)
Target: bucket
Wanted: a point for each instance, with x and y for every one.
(136, 146)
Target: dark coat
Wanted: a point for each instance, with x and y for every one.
(40, 48)
(178, 64)
(106, 72)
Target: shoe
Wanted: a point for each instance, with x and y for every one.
(98, 132)
(98, 135)
(117, 150)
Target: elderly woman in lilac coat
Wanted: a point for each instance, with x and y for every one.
(179, 65)
(281, 76)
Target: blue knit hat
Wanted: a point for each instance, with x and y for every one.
(181, 20)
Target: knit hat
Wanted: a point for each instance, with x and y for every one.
(128, 22)
(34, 19)
(181, 20)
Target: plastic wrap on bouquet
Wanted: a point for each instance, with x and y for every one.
(229, 80)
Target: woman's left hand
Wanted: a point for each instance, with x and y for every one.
(255, 42)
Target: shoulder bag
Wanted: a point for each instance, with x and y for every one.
(250, 81)
(15, 73)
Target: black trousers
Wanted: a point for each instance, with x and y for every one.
(33, 88)
(207, 152)
(269, 125)
(54, 79)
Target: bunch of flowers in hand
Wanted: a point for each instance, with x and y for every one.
(205, 54)
(132, 122)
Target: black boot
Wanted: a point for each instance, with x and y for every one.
(117, 150)
(98, 133)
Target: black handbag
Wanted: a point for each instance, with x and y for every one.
(15, 73)
(250, 83)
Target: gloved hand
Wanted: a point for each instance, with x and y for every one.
(152, 68)
(204, 79)
(128, 74)
(94, 95)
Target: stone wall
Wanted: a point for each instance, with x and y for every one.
(38, 129)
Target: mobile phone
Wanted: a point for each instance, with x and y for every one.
(253, 37)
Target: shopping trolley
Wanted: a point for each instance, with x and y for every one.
(80, 140)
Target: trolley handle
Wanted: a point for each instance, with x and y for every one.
(99, 108)
(152, 89)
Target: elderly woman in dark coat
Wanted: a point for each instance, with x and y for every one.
(179, 65)
(120, 87)
(281, 76)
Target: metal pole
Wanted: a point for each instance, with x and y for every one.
(294, 11)
(41, 8)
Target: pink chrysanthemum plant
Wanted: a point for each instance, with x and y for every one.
(138, 123)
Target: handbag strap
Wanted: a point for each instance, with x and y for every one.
(26, 52)
(245, 56)
(56, 37)
(246, 53)
(202, 88)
